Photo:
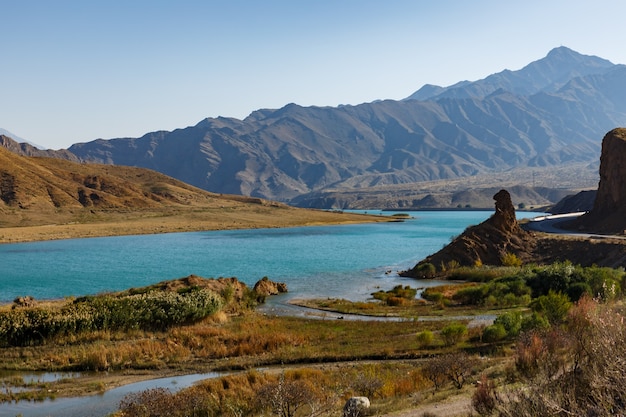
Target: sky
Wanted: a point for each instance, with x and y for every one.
(77, 70)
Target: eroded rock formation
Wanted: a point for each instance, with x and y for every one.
(486, 243)
(609, 210)
(266, 287)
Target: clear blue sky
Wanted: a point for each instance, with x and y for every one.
(75, 71)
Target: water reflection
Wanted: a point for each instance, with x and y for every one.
(98, 405)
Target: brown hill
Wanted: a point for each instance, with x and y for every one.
(97, 200)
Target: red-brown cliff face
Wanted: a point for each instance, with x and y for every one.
(486, 243)
(609, 210)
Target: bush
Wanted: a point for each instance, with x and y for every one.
(425, 338)
(397, 296)
(553, 306)
(577, 290)
(471, 295)
(510, 259)
(485, 397)
(511, 322)
(453, 333)
(153, 310)
(534, 321)
(494, 333)
(426, 270)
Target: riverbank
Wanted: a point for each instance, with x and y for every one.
(141, 222)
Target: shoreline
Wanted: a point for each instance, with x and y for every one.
(192, 221)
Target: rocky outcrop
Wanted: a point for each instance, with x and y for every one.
(609, 210)
(356, 406)
(266, 287)
(486, 243)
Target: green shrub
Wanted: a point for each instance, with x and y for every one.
(534, 321)
(426, 270)
(511, 259)
(425, 338)
(154, 310)
(432, 294)
(471, 295)
(397, 296)
(511, 322)
(553, 306)
(494, 333)
(453, 333)
(577, 290)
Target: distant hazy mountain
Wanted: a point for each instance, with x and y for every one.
(13, 136)
(551, 114)
(547, 74)
(26, 149)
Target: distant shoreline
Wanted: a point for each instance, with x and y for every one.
(537, 210)
(260, 217)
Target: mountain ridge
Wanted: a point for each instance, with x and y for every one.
(289, 153)
(560, 65)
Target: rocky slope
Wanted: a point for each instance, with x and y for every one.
(609, 209)
(501, 234)
(582, 201)
(546, 116)
(486, 243)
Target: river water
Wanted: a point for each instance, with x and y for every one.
(350, 260)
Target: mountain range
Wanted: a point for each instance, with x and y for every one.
(540, 126)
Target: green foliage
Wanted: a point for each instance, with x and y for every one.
(510, 259)
(574, 280)
(425, 338)
(426, 270)
(577, 290)
(553, 306)
(534, 321)
(397, 296)
(453, 333)
(507, 325)
(154, 310)
(471, 295)
(494, 333)
(511, 322)
(503, 292)
(479, 273)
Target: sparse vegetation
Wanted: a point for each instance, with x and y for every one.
(545, 333)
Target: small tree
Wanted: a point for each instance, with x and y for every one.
(367, 384)
(452, 367)
(553, 306)
(453, 333)
(285, 398)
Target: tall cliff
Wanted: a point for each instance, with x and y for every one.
(609, 210)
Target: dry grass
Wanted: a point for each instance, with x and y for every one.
(244, 216)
